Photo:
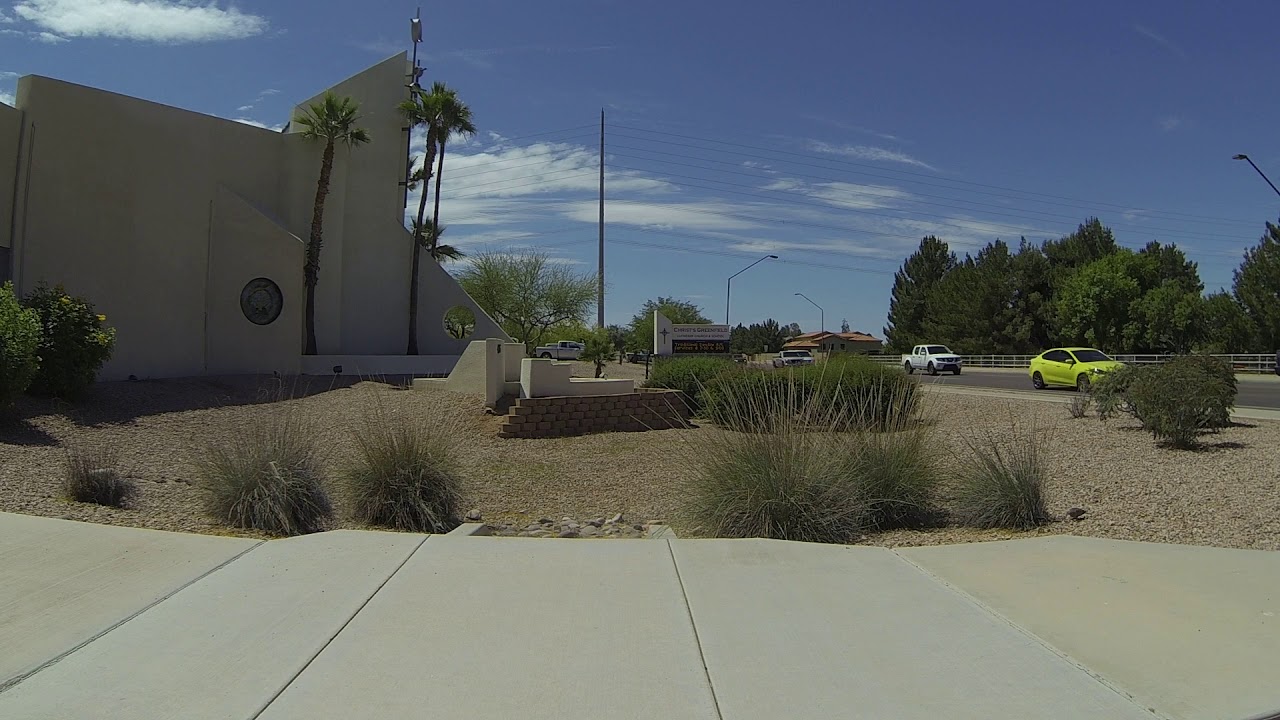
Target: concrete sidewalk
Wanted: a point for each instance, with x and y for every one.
(121, 623)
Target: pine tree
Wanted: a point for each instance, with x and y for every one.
(913, 284)
(1257, 289)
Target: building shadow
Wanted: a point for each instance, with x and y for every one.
(123, 402)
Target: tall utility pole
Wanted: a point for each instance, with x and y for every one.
(600, 270)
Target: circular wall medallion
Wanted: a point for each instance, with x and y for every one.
(261, 301)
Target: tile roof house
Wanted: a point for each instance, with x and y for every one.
(829, 342)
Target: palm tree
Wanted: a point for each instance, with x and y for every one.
(436, 250)
(455, 119)
(332, 120)
(422, 109)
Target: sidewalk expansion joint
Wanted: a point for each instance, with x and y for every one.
(960, 592)
(706, 671)
(334, 636)
(61, 656)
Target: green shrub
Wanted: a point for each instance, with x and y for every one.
(1182, 398)
(405, 477)
(269, 477)
(797, 478)
(690, 375)
(91, 476)
(1110, 391)
(841, 395)
(19, 343)
(1001, 484)
(1176, 400)
(74, 343)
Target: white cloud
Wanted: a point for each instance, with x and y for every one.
(867, 152)
(268, 93)
(5, 19)
(7, 98)
(1170, 123)
(264, 126)
(162, 21)
(1159, 39)
(849, 196)
(244, 108)
(6, 75)
(663, 216)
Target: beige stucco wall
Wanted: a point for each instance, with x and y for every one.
(248, 245)
(10, 135)
(127, 222)
(159, 225)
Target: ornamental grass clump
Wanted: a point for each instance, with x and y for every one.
(405, 476)
(268, 477)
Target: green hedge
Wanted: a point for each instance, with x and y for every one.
(839, 394)
(691, 375)
(19, 340)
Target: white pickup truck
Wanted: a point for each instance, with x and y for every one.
(932, 359)
(793, 357)
(563, 350)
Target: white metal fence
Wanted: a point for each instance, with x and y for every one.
(1252, 363)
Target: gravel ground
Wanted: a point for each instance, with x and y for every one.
(1225, 494)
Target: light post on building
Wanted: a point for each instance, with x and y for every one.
(729, 285)
(822, 315)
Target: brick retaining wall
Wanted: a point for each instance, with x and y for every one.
(561, 416)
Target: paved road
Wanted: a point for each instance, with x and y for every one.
(1254, 392)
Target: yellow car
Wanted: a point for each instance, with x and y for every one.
(1070, 367)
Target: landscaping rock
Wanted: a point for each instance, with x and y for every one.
(473, 515)
(568, 533)
(615, 519)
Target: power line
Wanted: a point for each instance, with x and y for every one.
(905, 172)
(820, 226)
(827, 206)
(871, 193)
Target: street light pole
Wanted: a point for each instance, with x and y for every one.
(822, 315)
(728, 286)
(1255, 167)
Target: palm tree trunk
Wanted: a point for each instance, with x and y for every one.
(435, 217)
(311, 265)
(414, 274)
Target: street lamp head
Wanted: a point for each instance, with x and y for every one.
(773, 257)
(797, 294)
(1240, 157)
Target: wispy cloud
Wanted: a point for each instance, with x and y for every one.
(5, 19)
(1160, 40)
(852, 128)
(867, 152)
(383, 46)
(710, 215)
(264, 126)
(7, 98)
(1170, 123)
(160, 21)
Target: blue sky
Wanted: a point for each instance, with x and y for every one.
(832, 134)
